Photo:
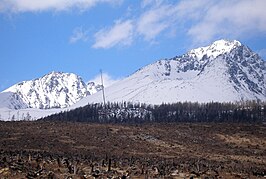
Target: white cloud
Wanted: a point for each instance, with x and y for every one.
(19, 6)
(107, 80)
(120, 34)
(146, 3)
(78, 34)
(192, 9)
(156, 20)
(231, 19)
(203, 21)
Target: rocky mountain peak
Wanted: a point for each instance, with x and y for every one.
(215, 49)
(224, 71)
(53, 90)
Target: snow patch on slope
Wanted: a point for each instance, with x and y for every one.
(11, 101)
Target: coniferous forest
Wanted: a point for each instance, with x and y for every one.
(127, 112)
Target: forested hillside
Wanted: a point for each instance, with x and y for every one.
(126, 112)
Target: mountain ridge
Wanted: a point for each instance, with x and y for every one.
(224, 71)
(53, 90)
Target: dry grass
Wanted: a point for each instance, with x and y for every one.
(153, 150)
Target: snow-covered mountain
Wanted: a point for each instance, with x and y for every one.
(11, 101)
(223, 71)
(54, 90)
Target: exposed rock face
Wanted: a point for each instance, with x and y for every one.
(54, 90)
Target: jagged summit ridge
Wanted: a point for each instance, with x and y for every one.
(225, 71)
(215, 49)
(54, 90)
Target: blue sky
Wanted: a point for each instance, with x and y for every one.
(118, 36)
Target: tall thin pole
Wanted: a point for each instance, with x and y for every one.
(105, 113)
(103, 88)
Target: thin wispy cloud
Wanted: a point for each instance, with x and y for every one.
(120, 34)
(204, 20)
(151, 23)
(147, 3)
(20, 6)
(79, 34)
(201, 21)
(226, 18)
(154, 21)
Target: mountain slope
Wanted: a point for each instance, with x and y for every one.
(54, 90)
(224, 71)
(12, 101)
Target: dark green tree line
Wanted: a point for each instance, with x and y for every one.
(127, 112)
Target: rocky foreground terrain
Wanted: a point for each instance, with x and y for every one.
(180, 150)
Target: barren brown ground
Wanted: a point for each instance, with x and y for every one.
(176, 150)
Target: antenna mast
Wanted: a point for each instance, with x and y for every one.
(102, 88)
